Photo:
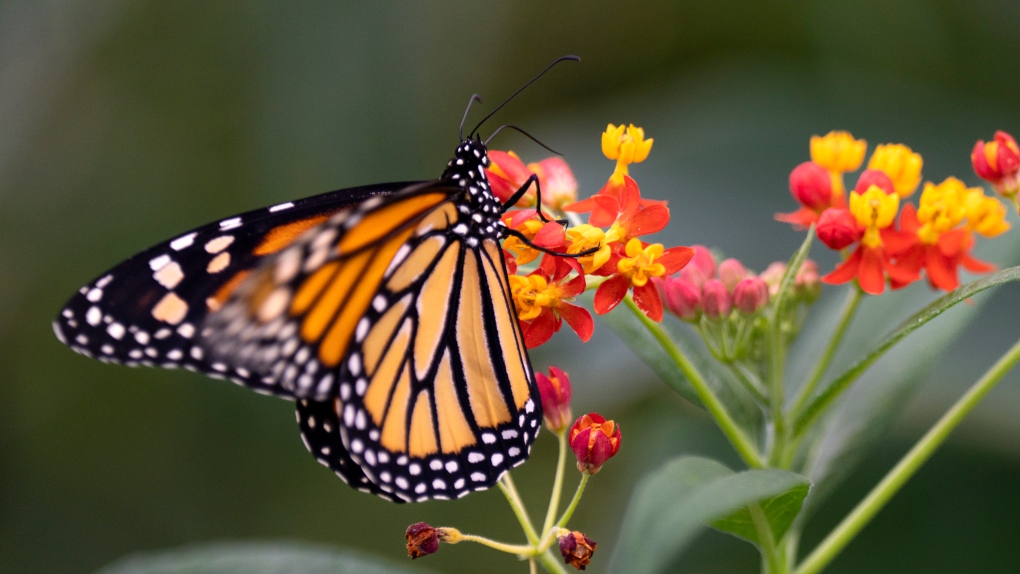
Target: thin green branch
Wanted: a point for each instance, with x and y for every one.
(766, 541)
(730, 428)
(749, 384)
(506, 486)
(551, 563)
(517, 549)
(562, 522)
(859, 517)
(554, 498)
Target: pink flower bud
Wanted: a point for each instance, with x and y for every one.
(837, 228)
(701, 267)
(773, 276)
(870, 177)
(811, 186)
(998, 162)
(751, 295)
(715, 299)
(731, 272)
(555, 392)
(683, 297)
(594, 440)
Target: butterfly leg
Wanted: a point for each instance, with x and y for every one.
(533, 179)
(529, 243)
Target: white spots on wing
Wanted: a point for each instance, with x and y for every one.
(274, 305)
(287, 265)
(169, 275)
(379, 303)
(460, 229)
(362, 329)
(414, 468)
(218, 263)
(163, 333)
(93, 316)
(231, 223)
(529, 406)
(509, 434)
(357, 446)
(102, 283)
(436, 464)
(82, 339)
(401, 483)
(170, 309)
(452, 466)
(142, 338)
(94, 295)
(186, 330)
(219, 243)
(183, 242)
(478, 476)
(488, 438)
(438, 484)
(281, 207)
(196, 353)
(157, 263)
(475, 457)
(116, 330)
(174, 355)
(420, 488)
(513, 451)
(354, 364)
(497, 459)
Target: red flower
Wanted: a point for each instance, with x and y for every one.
(621, 208)
(811, 186)
(715, 299)
(940, 260)
(998, 162)
(641, 264)
(555, 392)
(543, 300)
(837, 228)
(507, 173)
(594, 440)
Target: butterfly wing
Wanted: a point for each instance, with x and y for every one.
(147, 310)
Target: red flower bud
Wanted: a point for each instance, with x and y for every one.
(837, 228)
(773, 276)
(751, 295)
(715, 299)
(998, 162)
(422, 540)
(594, 440)
(811, 186)
(683, 297)
(731, 272)
(555, 392)
(701, 267)
(870, 177)
(576, 549)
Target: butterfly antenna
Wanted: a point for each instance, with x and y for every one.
(526, 134)
(521, 89)
(474, 98)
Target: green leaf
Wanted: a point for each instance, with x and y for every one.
(671, 505)
(780, 511)
(255, 558)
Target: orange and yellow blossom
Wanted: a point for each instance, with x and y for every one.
(635, 271)
(626, 145)
(901, 164)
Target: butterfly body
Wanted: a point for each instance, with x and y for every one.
(384, 311)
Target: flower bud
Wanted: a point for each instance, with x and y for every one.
(807, 285)
(837, 228)
(506, 174)
(555, 392)
(701, 267)
(773, 276)
(683, 297)
(715, 299)
(811, 186)
(422, 540)
(731, 272)
(870, 177)
(998, 162)
(750, 295)
(594, 440)
(559, 187)
(576, 549)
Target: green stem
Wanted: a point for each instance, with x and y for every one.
(736, 436)
(551, 563)
(846, 530)
(562, 522)
(767, 541)
(749, 384)
(557, 489)
(849, 308)
(518, 549)
(506, 486)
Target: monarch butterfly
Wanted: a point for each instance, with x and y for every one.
(383, 311)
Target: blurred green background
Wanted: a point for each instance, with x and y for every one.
(123, 123)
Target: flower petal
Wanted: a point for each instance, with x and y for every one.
(647, 299)
(675, 258)
(846, 270)
(610, 293)
(540, 330)
(871, 272)
(579, 320)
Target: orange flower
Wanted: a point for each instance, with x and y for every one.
(543, 303)
(641, 264)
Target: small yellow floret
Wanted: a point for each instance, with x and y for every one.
(875, 210)
(901, 164)
(640, 263)
(584, 237)
(531, 294)
(838, 151)
(627, 145)
(940, 209)
(985, 215)
(523, 252)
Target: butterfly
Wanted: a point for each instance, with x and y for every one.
(384, 311)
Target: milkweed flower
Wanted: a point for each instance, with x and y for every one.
(716, 301)
(555, 392)
(543, 302)
(626, 145)
(838, 228)
(576, 549)
(901, 164)
(811, 186)
(998, 163)
(642, 262)
(507, 174)
(594, 440)
(838, 151)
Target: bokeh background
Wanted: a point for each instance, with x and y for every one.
(123, 123)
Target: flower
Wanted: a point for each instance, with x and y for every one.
(701, 266)
(811, 186)
(716, 302)
(998, 162)
(731, 272)
(750, 295)
(594, 440)
(559, 187)
(507, 174)
(838, 151)
(576, 549)
(422, 540)
(545, 234)
(901, 164)
(682, 296)
(542, 300)
(623, 211)
(837, 228)
(626, 145)
(870, 177)
(555, 392)
(635, 270)
(985, 215)
(584, 237)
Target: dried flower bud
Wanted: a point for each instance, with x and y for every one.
(576, 549)
(594, 440)
(683, 297)
(715, 299)
(811, 186)
(701, 267)
(870, 177)
(837, 228)
(731, 272)
(750, 295)
(555, 392)
(422, 540)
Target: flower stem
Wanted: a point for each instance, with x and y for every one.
(736, 436)
(562, 522)
(804, 394)
(518, 549)
(846, 530)
(550, 563)
(557, 489)
(766, 541)
(750, 384)
(506, 486)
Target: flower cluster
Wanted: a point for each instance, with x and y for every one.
(607, 249)
(935, 237)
